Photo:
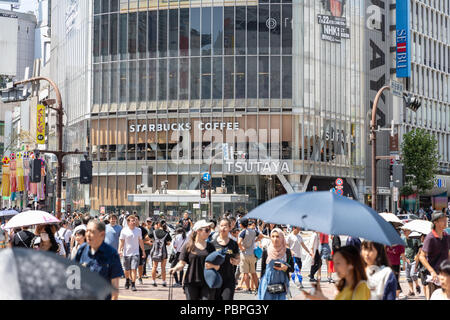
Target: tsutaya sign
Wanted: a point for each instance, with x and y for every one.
(258, 167)
(184, 126)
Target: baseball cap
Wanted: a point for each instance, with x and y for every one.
(201, 224)
(437, 215)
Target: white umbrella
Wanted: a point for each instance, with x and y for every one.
(29, 218)
(390, 217)
(421, 226)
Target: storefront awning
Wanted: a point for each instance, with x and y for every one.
(186, 196)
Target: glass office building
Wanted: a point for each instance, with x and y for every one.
(274, 91)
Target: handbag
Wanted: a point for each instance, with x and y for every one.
(258, 252)
(172, 257)
(276, 288)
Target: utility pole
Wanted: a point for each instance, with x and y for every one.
(59, 153)
(412, 104)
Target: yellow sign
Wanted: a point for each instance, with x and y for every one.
(40, 124)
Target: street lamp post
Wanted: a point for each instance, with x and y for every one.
(373, 139)
(210, 183)
(59, 154)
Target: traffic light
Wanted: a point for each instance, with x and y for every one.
(412, 102)
(35, 170)
(398, 175)
(203, 193)
(86, 172)
(14, 94)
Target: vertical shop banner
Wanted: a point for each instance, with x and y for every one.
(403, 35)
(40, 124)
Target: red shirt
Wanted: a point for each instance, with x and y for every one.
(394, 254)
(323, 238)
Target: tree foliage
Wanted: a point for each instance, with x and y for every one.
(420, 158)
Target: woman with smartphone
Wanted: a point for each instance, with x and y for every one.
(277, 263)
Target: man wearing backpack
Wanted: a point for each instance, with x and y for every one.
(158, 253)
(64, 234)
(246, 243)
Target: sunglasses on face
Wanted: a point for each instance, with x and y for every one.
(206, 229)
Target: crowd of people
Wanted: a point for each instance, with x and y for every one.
(212, 260)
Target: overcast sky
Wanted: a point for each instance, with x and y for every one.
(25, 5)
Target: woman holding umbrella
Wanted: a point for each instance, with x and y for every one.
(46, 240)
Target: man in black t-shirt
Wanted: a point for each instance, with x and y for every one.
(186, 222)
(23, 238)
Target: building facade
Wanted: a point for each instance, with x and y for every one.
(430, 71)
(276, 95)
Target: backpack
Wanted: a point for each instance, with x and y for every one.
(158, 250)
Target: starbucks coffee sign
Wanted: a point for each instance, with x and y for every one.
(183, 126)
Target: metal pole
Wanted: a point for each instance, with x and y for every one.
(373, 140)
(59, 154)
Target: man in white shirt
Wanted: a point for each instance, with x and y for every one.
(130, 241)
(295, 243)
(64, 234)
(317, 261)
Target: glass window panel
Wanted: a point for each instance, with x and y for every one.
(173, 79)
(228, 78)
(105, 6)
(217, 78)
(184, 32)
(104, 35)
(206, 31)
(263, 30)
(286, 29)
(123, 82)
(228, 25)
(195, 78)
(173, 32)
(123, 36)
(97, 6)
(142, 36)
(275, 29)
(252, 34)
(162, 33)
(162, 73)
(152, 80)
(132, 30)
(97, 83)
(151, 33)
(206, 78)
(96, 44)
(263, 77)
(240, 29)
(184, 79)
(105, 82)
(114, 5)
(114, 89)
(113, 32)
(142, 81)
(275, 77)
(252, 80)
(240, 78)
(287, 78)
(133, 81)
(217, 30)
(195, 31)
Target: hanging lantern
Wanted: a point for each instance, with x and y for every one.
(19, 155)
(5, 160)
(12, 156)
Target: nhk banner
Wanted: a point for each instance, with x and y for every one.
(40, 124)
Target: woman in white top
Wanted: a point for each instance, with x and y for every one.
(80, 238)
(180, 240)
(444, 278)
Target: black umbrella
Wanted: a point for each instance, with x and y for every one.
(27, 274)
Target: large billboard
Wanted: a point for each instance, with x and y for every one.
(8, 44)
(403, 39)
